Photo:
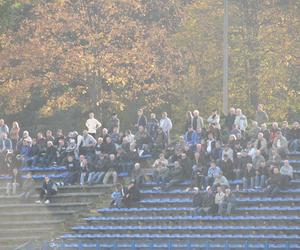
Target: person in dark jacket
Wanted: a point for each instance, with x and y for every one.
(131, 195)
(28, 188)
(50, 155)
(141, 119)
(274, 182)
(249, 177)
(48, 189)
(73, 169)
(229, 119)
(175, 175)
(207, 203)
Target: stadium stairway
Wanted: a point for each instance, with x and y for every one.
(23, 222)
(164, 220)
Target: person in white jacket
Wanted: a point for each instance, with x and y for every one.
(92, 125)
(241, 120)
(166, 125)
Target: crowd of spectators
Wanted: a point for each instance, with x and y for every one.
(211, 153)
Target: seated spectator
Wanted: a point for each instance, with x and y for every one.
(229, 203)
(160, 169)
(286, 172)
(5, 144)
(295, 138)
(111, 167)
(254, 130)
(274, 183)
(264, 129)
(48, 189)
(274, 157)
(210, 144)
(213, 171)
(73, 169)
(205, 205)
(241, 121)
(117, 196)
(114, 122)
(28, 188)
(220, 180)
(109, 147)
(273, 131)
(131, 195)
(219, 199)
(50, 155)
(23, 153)
(261, 144)
(33, 154)
(258, 158)
(186, 164)
(198, 176)
(249, 177)
(15, 182)
(174, 176)
(286, 131)
(227, 151)
(281, 144)
(138, 174)
(115, 136)
(217, 152)
(190, 137)
(142, 138)
(99, 171)
(129, 136)
(59, 136)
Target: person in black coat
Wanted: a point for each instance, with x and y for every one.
(73, 169)
(274, 183)
(131, 195)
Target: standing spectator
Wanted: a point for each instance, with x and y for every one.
(274, 182)
(141, 119)
(3, 127)
(16, 181)
(264, 129)
(229, 202)
(92, 125)
(273, 131)
(14, 134)
(50, 155)
(5, 145)
(88, 144)
(219, 199)
(214, 119)
(249, 177)
(85, 169)
(152, 126)
(49, 136)
(109, 147)
(48, 189)
(261, 175)
(261, 116)
(188, 120)
(34, 154)
(28, 187)
(115, 136)
(285, 130)
(227, 167)
(258, 159)
(59, 136)
(114, 122)
(241, 120)
(286, 172)
(197, 121)
(111, 170)
(295, 137)
(138, 174)
(73, 169)
(229, 119)
(61, 151)
(131, 195)
(166, 125)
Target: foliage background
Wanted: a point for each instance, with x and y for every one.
(60, 59)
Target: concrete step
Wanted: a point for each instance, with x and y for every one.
(35, 216)
(31, 231)
(28, 224)
(52, 207)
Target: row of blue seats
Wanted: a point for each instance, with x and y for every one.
(187, 209)
(194, 218)
(198, 228)
(175, 245)
(240, 199)
(182, 236)
(180, 191)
